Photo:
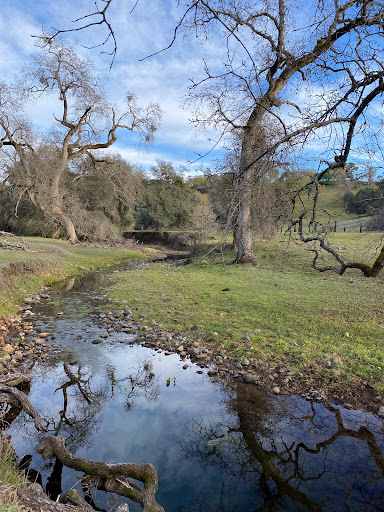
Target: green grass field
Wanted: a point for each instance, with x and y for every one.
(284, 311)
(330, 208)
(47, 261)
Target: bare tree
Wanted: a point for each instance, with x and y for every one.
(314, 80)
(313, 70)
(86, 124)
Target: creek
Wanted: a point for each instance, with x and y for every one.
(217, 444)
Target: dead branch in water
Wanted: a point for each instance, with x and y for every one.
(109, 477)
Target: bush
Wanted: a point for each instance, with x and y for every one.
(365, 201)
(377, 222)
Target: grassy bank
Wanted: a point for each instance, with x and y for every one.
(9, 478)
(283, 312)
(25, 272)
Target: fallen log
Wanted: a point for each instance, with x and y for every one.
(18, 244)
(109, 477)
(15, 396)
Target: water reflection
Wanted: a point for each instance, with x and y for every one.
(299, 455)
(81, 404)
(142, 382)
(218, 446)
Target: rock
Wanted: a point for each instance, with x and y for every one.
(97, 342)
(9, 349)
(168, 353)
(276, 390)
(244, 362)
(249, 378)
(180, 348)
(200, 372)
(211, 373)
(194, 328)
(346, 335)
(44, 335)
(185, 366)
(380, 412)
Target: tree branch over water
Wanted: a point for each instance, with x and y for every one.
(109, 477)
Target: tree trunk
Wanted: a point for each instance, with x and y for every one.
(244, 233)
(57, 207)
(66, 222)
(54, 233)
(250, 169)
(69, 228)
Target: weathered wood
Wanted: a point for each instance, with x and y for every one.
(13, 395)
(19, 243)
(109, 477)
(15, 379)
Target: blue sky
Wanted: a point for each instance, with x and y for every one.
(163, 78)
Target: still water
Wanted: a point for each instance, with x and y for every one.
(218, 445)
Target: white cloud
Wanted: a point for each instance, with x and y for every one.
(163, 78)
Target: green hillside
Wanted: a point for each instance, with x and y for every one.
(331, 209)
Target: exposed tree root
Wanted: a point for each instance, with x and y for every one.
(109, 477)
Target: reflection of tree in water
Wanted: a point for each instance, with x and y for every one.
(140, 383)
(78, 419)
(8, 413)
(82, 403)
(296, 455)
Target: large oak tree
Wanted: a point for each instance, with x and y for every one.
(86, 123)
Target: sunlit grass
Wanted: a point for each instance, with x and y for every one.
(24, 272)
(283, 311)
